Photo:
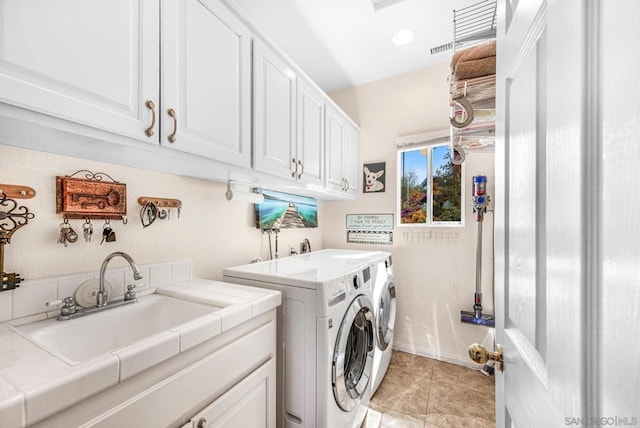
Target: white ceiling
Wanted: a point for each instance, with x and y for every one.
(343, 43)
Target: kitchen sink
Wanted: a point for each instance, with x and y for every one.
(108, 330)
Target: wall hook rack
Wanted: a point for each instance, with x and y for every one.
(12, 218)
(96, 196)
(160, 202)
(154, 207)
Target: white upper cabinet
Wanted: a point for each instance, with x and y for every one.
(288, 120)
(310, 147)
(274, 113)
(182, 86)
(342, 152)
(206, 81)
(98, 64)
(90, 62)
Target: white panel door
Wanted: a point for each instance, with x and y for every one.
(334, 137)
(548, 217)
(206, 81)
(274, 113)
(87, 61)
(310, 144)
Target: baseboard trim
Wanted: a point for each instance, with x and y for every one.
(440, 356)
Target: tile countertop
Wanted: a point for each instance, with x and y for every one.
(35, 384)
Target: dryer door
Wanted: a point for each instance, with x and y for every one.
(386, 315)
(353, 354)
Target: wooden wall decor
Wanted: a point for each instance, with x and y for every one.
(91, 197)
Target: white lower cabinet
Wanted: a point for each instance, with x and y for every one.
(248, 404)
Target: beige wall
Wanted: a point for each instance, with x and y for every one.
(434, 268)
(211, 231)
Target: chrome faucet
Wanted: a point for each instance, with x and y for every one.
(102, 297)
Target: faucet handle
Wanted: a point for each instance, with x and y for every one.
(68, 308)
(67, 302)
(131, 293)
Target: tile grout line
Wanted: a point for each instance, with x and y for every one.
(426, 410)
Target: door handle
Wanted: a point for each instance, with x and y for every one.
(172, 137)
(480, 355)
(295, 168)
(149, 131)
(301, 169)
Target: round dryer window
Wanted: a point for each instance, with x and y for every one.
(353, 354)
(386, 315)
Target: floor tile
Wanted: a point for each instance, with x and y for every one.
(451, 421)
(423, 392)
(400, 392)
(461, 400)
(395, 420)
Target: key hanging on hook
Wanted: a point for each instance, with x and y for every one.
(87, 229)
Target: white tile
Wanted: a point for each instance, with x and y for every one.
(11, 406)
(6, 298)
(174, 291)
(31, 297)
(67, 286)
(197, 331)
(235, 315)
(159, 275)
(66, 387)
(141, 284)
(116, 278)
(266, 303)
(31, 318)
(215, 299)
(181, 271)
(23, 374)
(147, 353)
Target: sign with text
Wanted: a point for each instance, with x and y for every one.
(369, 221)
(370, 237)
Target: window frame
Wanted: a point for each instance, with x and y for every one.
(428, 141)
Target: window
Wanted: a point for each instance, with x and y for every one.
(430, 192)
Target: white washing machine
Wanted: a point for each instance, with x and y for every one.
(326, 338)
(384, 301)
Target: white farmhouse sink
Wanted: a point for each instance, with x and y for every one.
(108, 330)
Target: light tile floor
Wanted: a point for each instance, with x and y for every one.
(425, 393)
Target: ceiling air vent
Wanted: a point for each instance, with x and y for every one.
(380, 4)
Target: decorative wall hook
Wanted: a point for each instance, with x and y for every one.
(12, 218)
(95, 196)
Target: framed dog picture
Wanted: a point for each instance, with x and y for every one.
(373, 180)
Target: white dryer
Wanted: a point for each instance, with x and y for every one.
(384, 301)
(326, 338)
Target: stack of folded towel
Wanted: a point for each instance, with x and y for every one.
(473, 71)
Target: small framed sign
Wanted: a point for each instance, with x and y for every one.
(370, 221)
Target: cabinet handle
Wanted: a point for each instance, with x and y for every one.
(172, 137)
(149, 131)
(342, 184)
(295, 167)
(301, 169)
(202, 423)
(346, 185)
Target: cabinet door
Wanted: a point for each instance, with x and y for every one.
(251, 403)
(310, 147)
(206, 80)
(87, 61)
(351, 158)
(274, 99)
(333, 145)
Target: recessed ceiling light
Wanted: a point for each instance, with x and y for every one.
(402, 37)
